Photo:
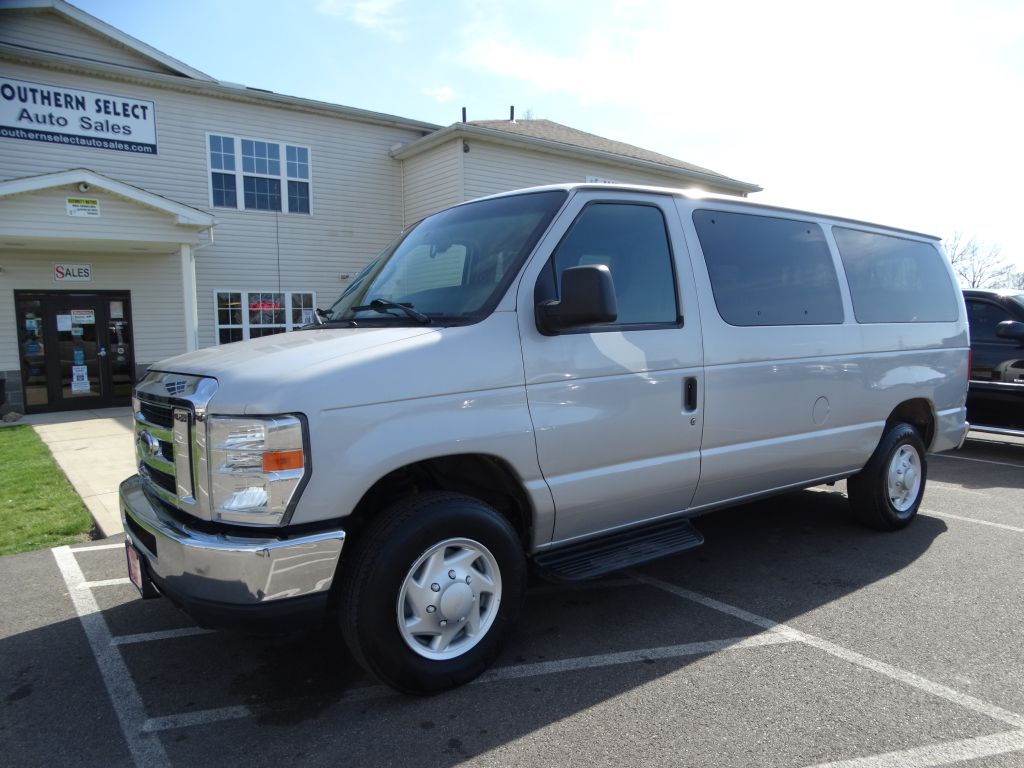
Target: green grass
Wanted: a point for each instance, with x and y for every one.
(38, 506)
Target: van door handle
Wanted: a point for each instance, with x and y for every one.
(690, 394)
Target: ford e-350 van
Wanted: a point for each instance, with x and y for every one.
(565, 375)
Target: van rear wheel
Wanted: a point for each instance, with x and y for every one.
(431, 591)
(886, 494)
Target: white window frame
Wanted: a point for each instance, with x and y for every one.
(283, 178)
(245, 326)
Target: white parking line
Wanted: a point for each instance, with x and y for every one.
(167, 634)
(895, 673)
(146, 750)
(1001, 526)
(190, 719)
(500, 674)
(938, 754)
(979, 461)
(97, 547)
(105, 583)
(519, 671)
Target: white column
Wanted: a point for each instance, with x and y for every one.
(189, 300)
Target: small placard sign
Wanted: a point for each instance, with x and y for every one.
(83, 206)
(72, 273)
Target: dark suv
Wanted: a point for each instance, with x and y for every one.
(995, 398)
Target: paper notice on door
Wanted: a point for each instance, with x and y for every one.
(64, 323)
(80, 378)
(83, 316)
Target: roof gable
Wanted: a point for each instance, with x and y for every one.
(545, 135)
(184, 215)
(563, 134)
(54, 26)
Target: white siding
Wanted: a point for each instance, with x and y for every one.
(154, 281)
(44, 30)
(45, 213)
(491, 168)
(433, 180)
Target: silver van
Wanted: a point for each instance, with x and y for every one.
(564, 375)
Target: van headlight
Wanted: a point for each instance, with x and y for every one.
(256, 467)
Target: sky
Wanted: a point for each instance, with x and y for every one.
(901, 112)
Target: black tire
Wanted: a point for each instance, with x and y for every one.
(881, 495)
(380, 569)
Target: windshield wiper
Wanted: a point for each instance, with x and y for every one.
(383, 306)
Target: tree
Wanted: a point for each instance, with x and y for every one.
(976, 264)
(1015, 280)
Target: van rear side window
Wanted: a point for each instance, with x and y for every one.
(895, 280)
(769, 271)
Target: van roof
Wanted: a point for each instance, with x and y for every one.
(700, 195)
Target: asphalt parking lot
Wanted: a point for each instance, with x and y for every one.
(791, 638)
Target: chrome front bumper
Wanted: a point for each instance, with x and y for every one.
(192, 566)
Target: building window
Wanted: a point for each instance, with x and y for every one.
(251, 314)
(263, 176)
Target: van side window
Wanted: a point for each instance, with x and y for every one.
(769, 271)
(632, 241)
(895, 280)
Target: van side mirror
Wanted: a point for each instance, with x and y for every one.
(1010, 329)
(588, 298)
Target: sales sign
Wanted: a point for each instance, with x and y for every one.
(59, 115)
(72, 273)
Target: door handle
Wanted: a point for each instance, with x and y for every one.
(690, 394)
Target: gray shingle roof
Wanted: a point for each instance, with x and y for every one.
(563, 134)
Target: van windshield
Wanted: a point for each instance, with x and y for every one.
(451, 268)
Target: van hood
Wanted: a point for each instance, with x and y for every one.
(285, 351)
(323, 369)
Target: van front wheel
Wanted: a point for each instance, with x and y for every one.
(887, 493)
(432, 588)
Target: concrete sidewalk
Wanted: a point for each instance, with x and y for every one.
(96, 451)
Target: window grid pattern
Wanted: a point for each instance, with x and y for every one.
(224, 193)
(262, 194)
(265, 182)
(261, 157)
(252, 314)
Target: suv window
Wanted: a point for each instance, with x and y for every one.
(895, 280)
(632, 241)
(983, 318)
(769, 271)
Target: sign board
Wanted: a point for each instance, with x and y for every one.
(72, 273)
(56, 114)
(83, 317)
(83, 206)
(80, 378)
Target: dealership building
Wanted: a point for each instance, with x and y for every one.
(148, 209)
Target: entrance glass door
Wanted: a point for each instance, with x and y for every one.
(76, 349)
(80, 347)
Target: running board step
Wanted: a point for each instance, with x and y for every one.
(621, 550)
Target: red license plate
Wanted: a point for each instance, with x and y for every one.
(134, 566)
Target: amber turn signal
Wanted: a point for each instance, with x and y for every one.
(279, 461)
